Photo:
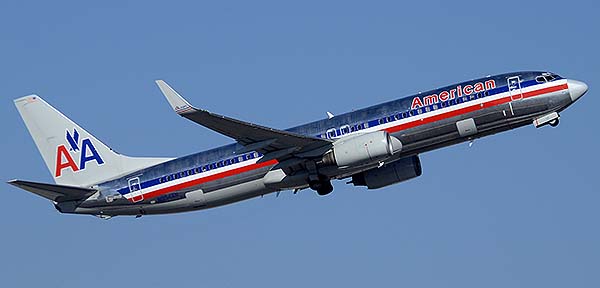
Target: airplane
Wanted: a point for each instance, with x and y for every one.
(373, 147)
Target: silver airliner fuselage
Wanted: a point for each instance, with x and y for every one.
(375, 147)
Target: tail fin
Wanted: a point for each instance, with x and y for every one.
(73, 156)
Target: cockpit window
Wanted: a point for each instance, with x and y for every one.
(540, 79)
(548, 77)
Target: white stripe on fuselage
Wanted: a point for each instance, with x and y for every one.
(194, 177)
(419, 117)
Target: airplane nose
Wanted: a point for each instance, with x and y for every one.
(576, 89)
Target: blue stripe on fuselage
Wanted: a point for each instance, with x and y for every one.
(371, 123)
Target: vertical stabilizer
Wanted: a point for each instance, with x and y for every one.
(73, 156)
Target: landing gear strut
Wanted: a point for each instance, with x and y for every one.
(554, 122)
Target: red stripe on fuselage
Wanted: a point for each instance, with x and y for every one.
(472, 108)
(393, 129)
(213, 177)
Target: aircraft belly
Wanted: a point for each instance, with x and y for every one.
(237, 193)
(216, 193)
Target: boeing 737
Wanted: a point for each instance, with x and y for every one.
(373, 147)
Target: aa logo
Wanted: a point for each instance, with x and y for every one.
(83, 150)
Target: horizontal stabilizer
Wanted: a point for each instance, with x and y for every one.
(54, 192)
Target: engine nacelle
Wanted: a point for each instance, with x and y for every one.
(398, 171)
(362, 149)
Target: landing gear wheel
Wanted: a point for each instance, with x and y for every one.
(322, 187)
(325, 188)
(554, 122)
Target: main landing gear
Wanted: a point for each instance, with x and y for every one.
(316, 181)
(323, 187)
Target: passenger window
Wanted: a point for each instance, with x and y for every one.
(486, 93)
(404, 114)
(176, 176)
(191, 172)
(182, 174)
(205, 168)
(198, 170)
(331, 133)
(345, 129)
(366, 125)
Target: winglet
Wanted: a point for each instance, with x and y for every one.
(177, 102)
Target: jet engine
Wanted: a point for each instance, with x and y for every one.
(395, 172)
(362, 149)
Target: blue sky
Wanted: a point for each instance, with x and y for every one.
(518, 209)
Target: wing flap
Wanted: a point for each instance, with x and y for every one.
(54, 192)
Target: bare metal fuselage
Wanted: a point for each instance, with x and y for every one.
(419, 128)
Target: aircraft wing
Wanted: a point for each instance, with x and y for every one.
(54, 192)
(254, 137)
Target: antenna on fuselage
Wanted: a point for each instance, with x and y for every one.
(329, 115)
